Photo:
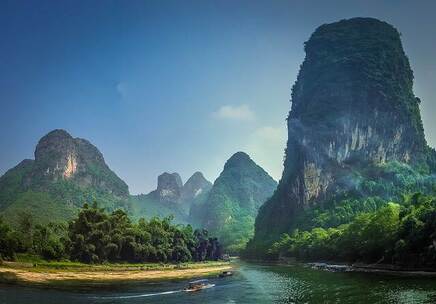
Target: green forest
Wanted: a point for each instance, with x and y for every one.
(401, 233)
(96, 236)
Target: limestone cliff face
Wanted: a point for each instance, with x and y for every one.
(352, 106)
(59, 156)
(169, 188)
(66, 173)
(56, 155)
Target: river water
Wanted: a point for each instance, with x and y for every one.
(251, 283)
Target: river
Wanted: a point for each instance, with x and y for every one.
(251, 283)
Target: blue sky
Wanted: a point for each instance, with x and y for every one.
(175, 85)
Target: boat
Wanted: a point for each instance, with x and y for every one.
(198, 285)
(225, 274)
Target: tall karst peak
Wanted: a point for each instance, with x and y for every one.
(172, 197)
(56, 154)
(169, 187)
(66, 173)
(238, 159)
(59, 156)
(353, 108)
(233, 202)
(196, 185)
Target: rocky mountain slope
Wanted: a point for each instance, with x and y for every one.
(169, 188)
(65, 173)
(234, 200)
(172, 197)
(195, 188)
(355, 136)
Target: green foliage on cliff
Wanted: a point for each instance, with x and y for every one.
(364, 55)
(54, 201)
(234, 200)
(368, 190)
(397, 234)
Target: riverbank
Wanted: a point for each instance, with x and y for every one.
(64, 275)
(386, 269)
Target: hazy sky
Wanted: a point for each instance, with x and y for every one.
(175, 85)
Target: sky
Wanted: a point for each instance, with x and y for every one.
(175, 86)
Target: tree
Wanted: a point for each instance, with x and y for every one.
(8, 243)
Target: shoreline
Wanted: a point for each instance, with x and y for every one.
(104, 275)
(386, 269)
(335, 266)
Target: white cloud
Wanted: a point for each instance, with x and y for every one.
(266, 146)
(122, 89)
(238, 112)
(270, 134)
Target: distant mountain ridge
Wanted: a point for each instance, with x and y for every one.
(172, 197)
(68, 172)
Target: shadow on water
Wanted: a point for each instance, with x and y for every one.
(252, 283)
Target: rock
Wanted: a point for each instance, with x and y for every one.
(352, 108)
(195, 186)
(169, 187)
(59, 156)
(66, 173)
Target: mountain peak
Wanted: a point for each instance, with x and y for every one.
(57, 133)
(66, 173)
(239, 159)
(195, 185)
(59, 156)
(197, 177)
(169, 187)
(235, 198)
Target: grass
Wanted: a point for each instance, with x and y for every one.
(32, 270)
(37, 264)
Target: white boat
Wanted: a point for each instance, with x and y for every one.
(198, 285)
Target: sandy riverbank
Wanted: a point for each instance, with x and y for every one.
(103, 276)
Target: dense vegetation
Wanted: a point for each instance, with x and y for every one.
(96, 236)
(233, 202)
(61, 198)
(402, 234)
(372, 187)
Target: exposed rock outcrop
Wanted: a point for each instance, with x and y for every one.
(169, 188)
(196, 185)
(66, 173)
(172, 197)
(59, 156)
